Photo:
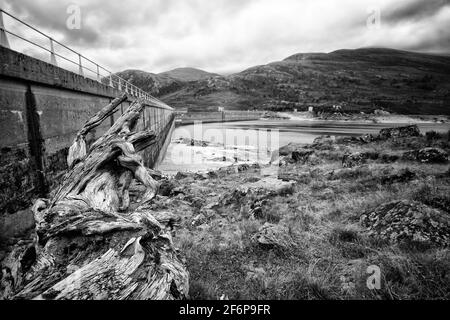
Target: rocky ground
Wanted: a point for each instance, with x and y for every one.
(310, 225)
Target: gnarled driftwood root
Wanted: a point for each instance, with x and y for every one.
(89, 243)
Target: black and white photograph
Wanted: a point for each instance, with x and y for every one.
(224, 154)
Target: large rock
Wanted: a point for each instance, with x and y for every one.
(324, 143)
(357, 159)
(301, 155)
(427, 155)
(402, 176)
(400, 132)
(408, 220)
(271, 236)
(288, 149)
(224, 171)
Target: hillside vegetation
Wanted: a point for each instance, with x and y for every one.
(165, 82)
(358, 80)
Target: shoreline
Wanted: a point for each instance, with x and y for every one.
(357, 119)
(205, 155)
(370, 118)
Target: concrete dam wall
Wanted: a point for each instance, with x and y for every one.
(42, 107)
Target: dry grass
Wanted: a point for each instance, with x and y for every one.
(332, 251)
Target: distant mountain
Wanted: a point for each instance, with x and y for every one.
(152, 83)
(165, 82)
(188, 74)
(358, 80)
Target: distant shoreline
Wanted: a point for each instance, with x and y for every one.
(364, 118)
(370, 118)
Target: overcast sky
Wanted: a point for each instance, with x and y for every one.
(226, 36)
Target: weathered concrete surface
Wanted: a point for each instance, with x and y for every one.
(41, 109)
(19, 66)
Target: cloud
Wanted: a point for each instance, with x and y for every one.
(414, 10)
(230, 35)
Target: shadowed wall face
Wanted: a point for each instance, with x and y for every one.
(42, 107)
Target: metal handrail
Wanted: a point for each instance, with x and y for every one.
(113, 78)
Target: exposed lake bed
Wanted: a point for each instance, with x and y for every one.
(254, 141)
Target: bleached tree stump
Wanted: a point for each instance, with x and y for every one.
(90, 242)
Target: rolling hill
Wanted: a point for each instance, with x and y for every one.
(188, 74)
(358, 80)
(165, 82)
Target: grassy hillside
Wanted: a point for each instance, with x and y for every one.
(358, 80)
(166, 82)
(188, 74)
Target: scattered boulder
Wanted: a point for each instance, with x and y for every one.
(254, 197)
(212, 174)
(201, 176)
(323, 143)
(432, 135)
(438, 202)
(389, 158)
(398, 221)
(348, 173)
(366, 138)
(402, 176)
(427, 155)
(299, 177)
(288, 149)
(301, 155)
(169, 188)
(199, 220)
(197, 202)
(181, 175)
(257, 208)
(221, 172)
(357, 159)
(380, 112)
(353, 160)
(272, 236)
(326, 193)
(399, 132)
(193, 142)
(256, 191)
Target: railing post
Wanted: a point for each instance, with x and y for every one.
(110, 80)
(143, 116)
(98, 74)
(120, 84)
(3, 39)
(52, 53)
(80, 67)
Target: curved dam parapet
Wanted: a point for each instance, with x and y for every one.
(42, 107)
